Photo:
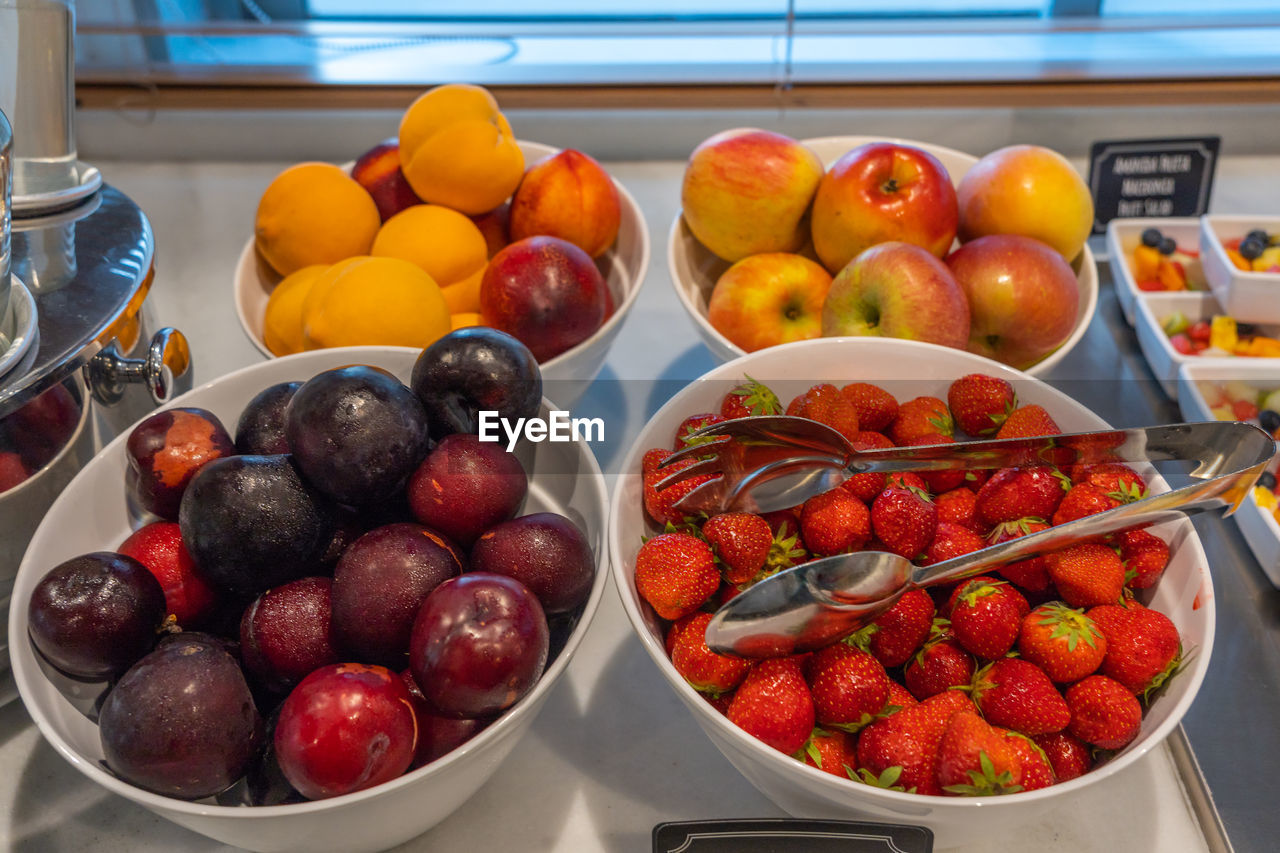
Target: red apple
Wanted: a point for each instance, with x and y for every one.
(568, 195)
(1023, 297)
(897, 290)
(882, 192)
(769, 299)
(1027, 190)
(545, 292)
(747, 192)
(378, 171)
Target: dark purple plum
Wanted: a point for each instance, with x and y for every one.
(438, 735)
(380, 583)
(476, 369)
(166, 450)
(251, 523)
(465, 486)
(285, 633)
(479, 645)
(357, 433)
(181, 722)
(544, 551)
(93, 616)
(260, 430)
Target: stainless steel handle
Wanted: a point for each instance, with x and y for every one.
(166, 371)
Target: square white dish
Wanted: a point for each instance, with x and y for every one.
(1124, 235)
(1250, 297)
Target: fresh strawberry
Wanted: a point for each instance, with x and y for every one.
(831, 751)
(986, 615)
(951, 540)
(980, 404)
(960, 506)
(692, 424)
(904, 519)
(660, 504)
(899, 698)
(1145, 557)
(1109, 617)
(676, 573)
(1037, 770)
(1083, 499)
(1016, 694)
(706, 670)
(974, 479)
(1103, 712)
(1086, 574)
(975, 760)
(835, 522)
(1063, 642)
(875, 406)
(773, 705)
(741, 541)
(936, 668)
(1030, 575)
(823, 403)
(909, 740)
(720, 701)
(906, 480)
(938, 481)
(1118, 480)
(1028, 421)
(921, 416)
(652, 458)
(902, 629)
(673, 634)
(849, 686)
(1014, 493)
(867, 485)
(1068, 754)
(1143, 650)
(750, 398)
(1016, 529)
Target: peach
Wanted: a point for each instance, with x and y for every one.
(568, 195)
(378, 171)
(747, 192)
(1027, 190)
(768, 299)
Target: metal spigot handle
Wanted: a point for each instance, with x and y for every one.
(166, 371)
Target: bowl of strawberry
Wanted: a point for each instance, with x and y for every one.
(305, 606)
(988, 699)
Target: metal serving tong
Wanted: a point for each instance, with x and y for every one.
(772, 462)
(816, 603)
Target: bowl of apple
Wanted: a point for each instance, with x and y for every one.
(873, 726)
(347, 543)
(541, 243)
(781, 240)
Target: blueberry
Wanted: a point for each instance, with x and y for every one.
(1251, 248)
(1168, 246)
(1269, 419)
(1267, 480)
(1152, 237)
(1257, 234)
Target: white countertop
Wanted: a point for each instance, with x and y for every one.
(613, 752)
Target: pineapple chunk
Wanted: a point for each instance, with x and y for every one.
(1222, 333)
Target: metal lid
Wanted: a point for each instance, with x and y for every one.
(90, 269)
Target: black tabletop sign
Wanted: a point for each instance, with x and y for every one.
(768, 835)
(1151, 177)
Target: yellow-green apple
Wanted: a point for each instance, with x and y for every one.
(746, 192)
(568, 195)
(1023, 297)
(897, 290)
(378, 171)
(768, 299)
(1028, 190)
(882, 192)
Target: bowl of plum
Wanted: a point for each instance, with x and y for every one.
(312, 608)
(922, 717)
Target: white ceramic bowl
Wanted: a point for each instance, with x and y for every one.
(1258, 525)
(1250, 297)
(1150, 313)
(568, 374)
(1124, 235)
(694, 269)
(91, 515)
(906, 369)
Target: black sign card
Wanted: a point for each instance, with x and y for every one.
(771, 835)
(1151, 177)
